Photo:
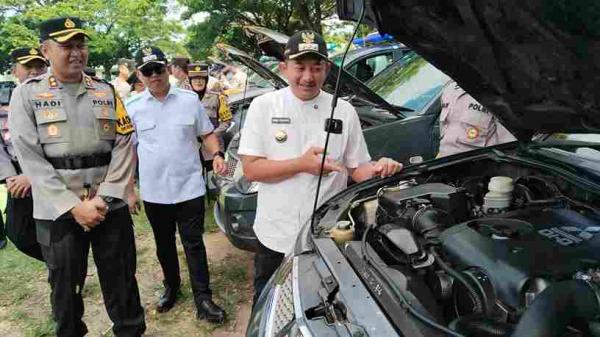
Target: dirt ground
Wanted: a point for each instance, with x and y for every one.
(24, 293)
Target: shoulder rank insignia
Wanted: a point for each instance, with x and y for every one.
(88, 82)
(52, 83)
(45, 95)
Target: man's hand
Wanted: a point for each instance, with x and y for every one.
(133, 202)
(219, 166)
(18, 186)
(89, 213)
(310, 162)
(386, 167)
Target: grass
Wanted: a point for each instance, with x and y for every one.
(24, 292)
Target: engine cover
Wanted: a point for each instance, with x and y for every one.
(522, 245)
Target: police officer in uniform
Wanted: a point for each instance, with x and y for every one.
(27, 63)
(73, 139)
(467, 125)
(215, 106)
(179, 68)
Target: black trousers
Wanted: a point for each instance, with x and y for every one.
(65, 247)
(188, 217)
(266, 262)
(20, 226)
(2, 230)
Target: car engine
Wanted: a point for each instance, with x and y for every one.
(483, 255)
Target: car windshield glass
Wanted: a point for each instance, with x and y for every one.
(256, 80)
(4, 96)
(410, 82)
(581, 150)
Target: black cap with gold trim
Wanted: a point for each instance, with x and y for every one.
(61, 29)
(197, 70)
(305, 42)
(26, 55)
(149, 55)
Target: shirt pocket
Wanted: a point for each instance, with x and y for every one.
(106, 122)
(335, 146)
(185, 128)
(52, 125)
(475, 128)
(144, 131)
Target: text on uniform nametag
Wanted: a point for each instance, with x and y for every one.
(281, 120)
(48, 103)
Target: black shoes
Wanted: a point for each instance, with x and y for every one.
(168, 299)
(207, 309)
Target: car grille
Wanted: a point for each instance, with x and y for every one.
(284, 308)
(231, 164)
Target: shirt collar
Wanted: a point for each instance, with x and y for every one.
(297, 100)
(149, 96)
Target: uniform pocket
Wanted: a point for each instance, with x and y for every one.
(52, 125)
(475, 128)
(106, 123)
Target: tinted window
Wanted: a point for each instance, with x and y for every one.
(368, 67)
(410, 82)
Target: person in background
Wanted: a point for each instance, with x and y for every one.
(28, 62)
(467, 125)
(120, 82)
(179, 66)
(215, 106)
(137, 86)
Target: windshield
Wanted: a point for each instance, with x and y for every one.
(582, 150)
(411, 82)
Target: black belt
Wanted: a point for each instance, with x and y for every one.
(17, 166)
(80, 162)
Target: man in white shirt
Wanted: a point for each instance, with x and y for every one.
(282, 147)
(120, 83)
(168, 122)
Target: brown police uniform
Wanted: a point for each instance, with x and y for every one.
(74, 141)
(467, 125)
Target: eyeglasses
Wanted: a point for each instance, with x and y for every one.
(153, 68)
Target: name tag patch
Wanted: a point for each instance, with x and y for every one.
(281, 120)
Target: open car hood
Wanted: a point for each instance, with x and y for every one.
(533, 63)
(273, 43)
(247, 60)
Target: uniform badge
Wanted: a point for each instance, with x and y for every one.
(281, 120)
(69, 23)
(147, 51)
(88, 82)
(52, 82)
(32, 51)
(45, 95)
(280, 136)
(100, 94)
(106, 127)
(309, 42)
(472, 132)
(49, 114)
(52, 130)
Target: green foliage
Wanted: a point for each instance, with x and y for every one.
(118, 27)
(227, 17)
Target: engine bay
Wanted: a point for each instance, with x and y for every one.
(496, 253)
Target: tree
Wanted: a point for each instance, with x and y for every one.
(118, 27)
(227, 17)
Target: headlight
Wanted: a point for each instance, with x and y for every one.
(241, 183)
(284, 315)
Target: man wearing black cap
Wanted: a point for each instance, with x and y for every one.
(168, 122)
(73, 138)
(215, 105)
(27, 63)
(282, 148)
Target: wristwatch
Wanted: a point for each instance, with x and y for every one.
(220, 154)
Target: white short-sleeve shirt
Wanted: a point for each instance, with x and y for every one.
(167, 145)
(283, 207)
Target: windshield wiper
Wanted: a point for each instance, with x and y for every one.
(397, 108)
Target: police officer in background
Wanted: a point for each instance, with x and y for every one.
(467, 125)
(215, 106)
(73, 139)
(179, 70)
(27, 63)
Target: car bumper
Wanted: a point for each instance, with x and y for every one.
(234, 214)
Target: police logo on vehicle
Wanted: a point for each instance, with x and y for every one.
(569, 235)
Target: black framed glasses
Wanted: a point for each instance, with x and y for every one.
(153, 68)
